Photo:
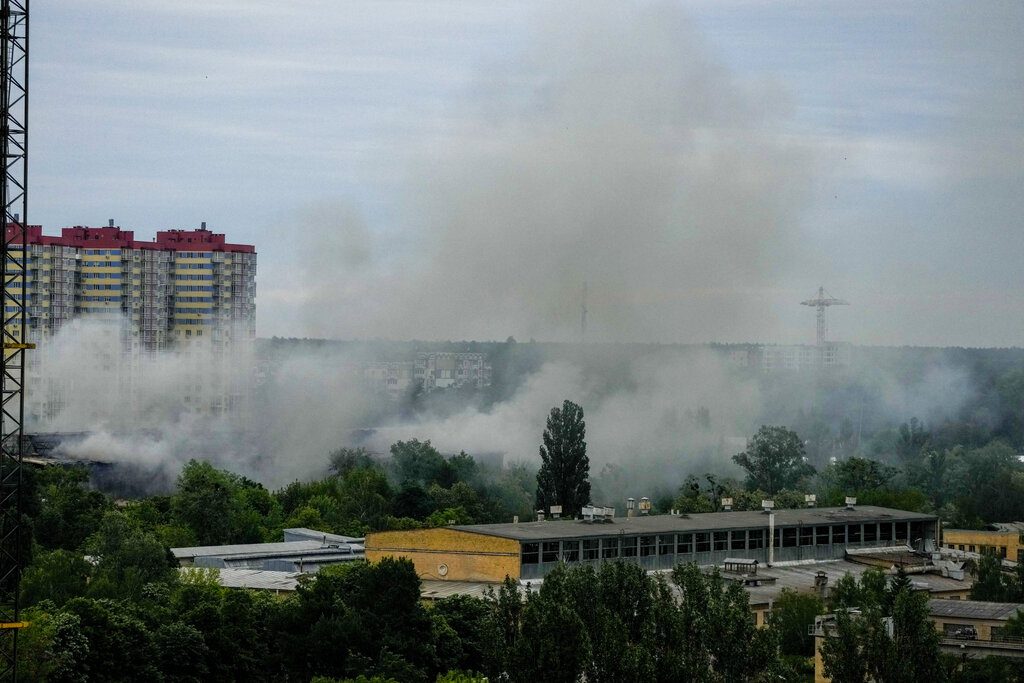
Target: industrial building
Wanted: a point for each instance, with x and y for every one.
(970, 629)
(185, 288)
(1004, 539)
(304, 551)
(529, 550)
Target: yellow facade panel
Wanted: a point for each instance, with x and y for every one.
(449, 554)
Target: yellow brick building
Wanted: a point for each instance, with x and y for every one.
(449, 554)
(1004, 539)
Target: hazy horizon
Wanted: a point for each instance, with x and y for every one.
(443, 169)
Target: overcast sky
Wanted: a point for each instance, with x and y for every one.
(457, 169)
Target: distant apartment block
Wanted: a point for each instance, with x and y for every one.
(394, 378)
(805, 357)
(439, 370)
(431, 370)
(186, 289)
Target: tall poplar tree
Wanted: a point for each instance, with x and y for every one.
(564, 473)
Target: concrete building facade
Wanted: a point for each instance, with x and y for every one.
(185, 288)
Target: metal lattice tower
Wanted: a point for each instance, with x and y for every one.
(13, 198)
(822, 302)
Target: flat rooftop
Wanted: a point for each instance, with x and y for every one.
(800, 577)
(252, 550)
(706, 521)
(973, 609)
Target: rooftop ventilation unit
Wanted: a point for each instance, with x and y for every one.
(609, 514)
(556, 511)
(645, 506)
(850, 502)
(631, 507)
(811, 500)
(767, 505)
(540, 515)
(588, 513)
(727, 504)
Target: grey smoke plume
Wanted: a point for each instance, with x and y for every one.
(613, 150)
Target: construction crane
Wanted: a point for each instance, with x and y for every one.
(14, 293)
(822, 302)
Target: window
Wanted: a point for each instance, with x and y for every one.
(666, 544)
(648, 545)
(870, 533)
(629, 546)
(901, 531)
(821, 535)
(807, 535)
(970, 548)
(570, 551)
(591, 549)
(549, 551)
(739, 540)
(703, 542)
(789, 537)
(684, 546)
(885, 531)
(755, 539)
(610, 548)
(531, 553)
(853, 532)
(721, 539)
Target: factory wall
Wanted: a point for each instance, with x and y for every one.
(449, 554)
(1006, 544)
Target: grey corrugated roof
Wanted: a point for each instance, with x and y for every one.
(438, 590)
(283, 548)
(708, 521)
(258, 579)
(304, 534)
(973, 609)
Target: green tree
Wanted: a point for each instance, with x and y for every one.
(791, 614)
(890, 638)
(68, 511)
(912, 440)
(205, 503)
(120, 645)
(990, 584)
(861, 474)
(57, 576)
(774, 460)
(52, 647)
(468, 618)
(126, 559)
(563, 478)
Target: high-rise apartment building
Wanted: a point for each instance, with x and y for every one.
(187, 289)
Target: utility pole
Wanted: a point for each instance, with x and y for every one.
(14, 294)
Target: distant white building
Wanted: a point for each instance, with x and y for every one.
(799, 357)
(432, 370)
(439, 370)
